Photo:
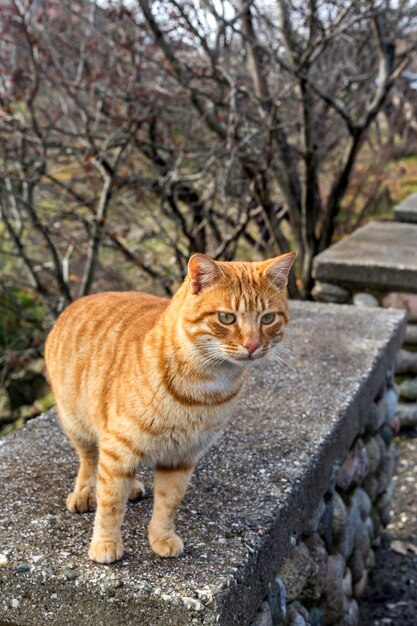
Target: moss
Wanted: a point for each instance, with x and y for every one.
(45, 403)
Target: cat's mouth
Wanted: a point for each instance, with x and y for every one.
(247, 358)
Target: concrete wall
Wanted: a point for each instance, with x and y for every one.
(252, 507)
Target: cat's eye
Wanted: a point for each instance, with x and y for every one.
(227, 318)
(267, 318)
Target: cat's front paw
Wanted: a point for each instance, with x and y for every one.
(167, 546)
(105, 551)
(81, 501)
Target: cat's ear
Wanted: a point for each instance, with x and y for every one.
(278, 269)
(202, 272)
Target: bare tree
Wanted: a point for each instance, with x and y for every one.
(98, 156)
(291, 91)
(131, 137)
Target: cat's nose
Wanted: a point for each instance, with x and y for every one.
(251, 346)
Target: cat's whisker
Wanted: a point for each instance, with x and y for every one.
(213, 357)
(209, 365)
(275, 358)
(287, 351)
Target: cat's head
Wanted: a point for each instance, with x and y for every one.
(236, 312)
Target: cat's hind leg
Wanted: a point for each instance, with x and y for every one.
(83, 498)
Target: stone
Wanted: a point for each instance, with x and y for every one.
(382, 449)
(370, 484)
(370, 561)
(339, 518)
(263, 616)
(406, 301)
(326, 292)
(392, 401)
(314, 585)
(295, 619)
(296, 570)
(361, 261)
(406, 211)
(346, 472)
(347, 583)
(383, 410)
(3, 560)
(357, 565)
(407, 414)
(410, 335)
(360, 587)
(277, 600)
(354, 468)
(406, 362)
(386, 433)
(408, 390)
(301, 609)
(385, 498)
(117, 583)
(333, 598)
(325, 527)
(71, 574)
(315, 617)
(196, 605)
(369, 525)
(22, 567)
(351, 616)
(362, 542)
(395, 425)
(374, 417)
(373, 454)
(365, 299)
(313, 523)
(386, 468)
(361, 500)
(354, 520)
(297, 615)
(205, 595)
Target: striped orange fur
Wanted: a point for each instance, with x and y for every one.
(142, 379)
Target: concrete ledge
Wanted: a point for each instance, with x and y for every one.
(251, 496)
(380, 255)
(406, 211)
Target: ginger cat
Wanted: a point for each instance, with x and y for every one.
(140, 379)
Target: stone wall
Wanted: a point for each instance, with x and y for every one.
(376, 266)
(406, 364)
(291, 497)
(327, 570)
(406, 373)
